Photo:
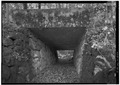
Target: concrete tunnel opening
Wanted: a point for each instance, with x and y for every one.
(55, 33)
(61, 40)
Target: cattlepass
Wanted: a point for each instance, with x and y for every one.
(70, 43)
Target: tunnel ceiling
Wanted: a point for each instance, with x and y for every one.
(60, 39)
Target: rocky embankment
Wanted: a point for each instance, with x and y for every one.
(24, 56)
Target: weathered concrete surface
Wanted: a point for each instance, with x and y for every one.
(83, 63)
(57, 18)
(78, 56)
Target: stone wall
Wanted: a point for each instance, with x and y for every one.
(36, 18)
(23, 55)
(15, 54)
(41, 55)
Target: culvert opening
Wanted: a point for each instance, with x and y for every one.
(65, 56)
(61, 40)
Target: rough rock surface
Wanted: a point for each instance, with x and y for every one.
(23, 55)
(41, 56)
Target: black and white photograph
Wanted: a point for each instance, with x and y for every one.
(59, 42)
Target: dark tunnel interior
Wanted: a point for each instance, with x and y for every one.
(60, 38)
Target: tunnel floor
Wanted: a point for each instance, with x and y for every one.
(61, 72)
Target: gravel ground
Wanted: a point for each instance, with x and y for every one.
(58, 73)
